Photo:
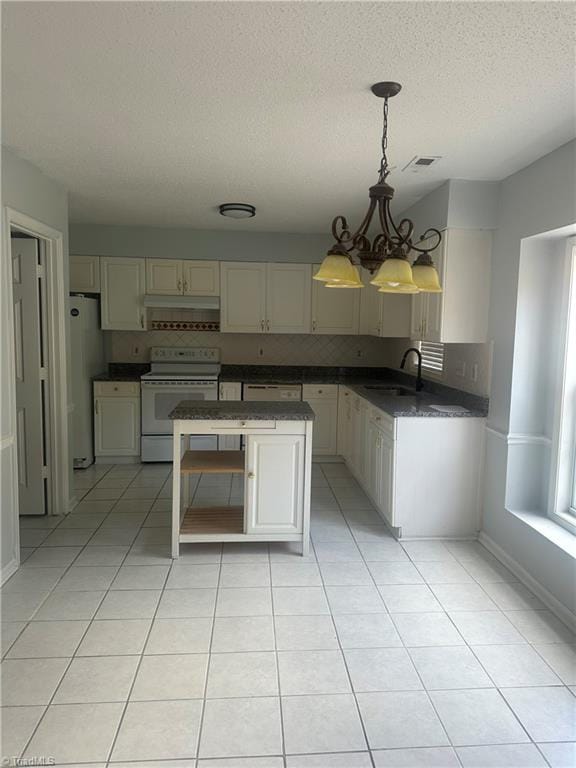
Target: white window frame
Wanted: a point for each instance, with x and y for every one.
(562, 500)
(431, 372)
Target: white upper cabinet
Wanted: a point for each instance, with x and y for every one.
(164, 277)
(176, 277)
(383, 314)
(123, 284)
(460, 313)
(335, 310)
(85, 274)
(265, 298)
(201, 278)
(288, 298)
(243, 297)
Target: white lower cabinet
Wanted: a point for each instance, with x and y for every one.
(116, 419)
(274, 495)
(422, 474)
(229, 390)
(323, 399)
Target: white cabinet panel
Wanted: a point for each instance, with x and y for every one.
(325, 425)
(85, 274)
(229, 390)
(274, 483)
(335, 310)
(117, 426)
(370, 306)
(164, 277)
(243, 297)
(344, 419)
(288, 298)
(123, 287)
(201, 278)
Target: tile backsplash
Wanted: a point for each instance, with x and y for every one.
(252, 349)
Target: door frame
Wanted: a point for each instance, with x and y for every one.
(56, 308)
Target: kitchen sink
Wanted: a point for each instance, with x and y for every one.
(392, 391)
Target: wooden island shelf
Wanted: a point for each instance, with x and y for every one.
(212, 462)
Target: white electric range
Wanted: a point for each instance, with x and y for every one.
(176, 373)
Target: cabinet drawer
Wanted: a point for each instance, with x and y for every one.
(383, 421)
(118, 388)
(319, 391)
(251, 424)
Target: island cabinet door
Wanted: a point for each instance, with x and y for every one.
(274, 483)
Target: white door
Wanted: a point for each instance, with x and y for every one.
(30, 378)
(335, 310)
(288, 298)
(164, 277)
(123, 284)
(385, 498)
(85, 274)
(274, 483)
(325, 426)
(117, 426)
(243, 297)
(201, 278)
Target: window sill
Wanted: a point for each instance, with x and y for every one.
(553, 532)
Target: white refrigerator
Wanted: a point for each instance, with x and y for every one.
(87, 361)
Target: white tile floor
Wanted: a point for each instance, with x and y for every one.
(368, 653)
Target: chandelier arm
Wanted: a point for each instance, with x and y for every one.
(429, 232)
(344, 234)
(393, 237)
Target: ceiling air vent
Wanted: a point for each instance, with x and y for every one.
(421, 163)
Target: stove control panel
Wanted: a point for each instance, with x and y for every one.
(184, 355)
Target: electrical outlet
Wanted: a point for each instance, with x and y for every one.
(474, 372)
(135, 350)
(358, 353)
(260, 351)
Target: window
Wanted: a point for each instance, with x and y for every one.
(432, 357)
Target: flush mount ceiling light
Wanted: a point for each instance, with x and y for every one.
(237, 210)
(386, 254)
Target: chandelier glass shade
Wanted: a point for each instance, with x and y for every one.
(385, 255)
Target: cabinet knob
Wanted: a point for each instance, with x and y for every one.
(242, 423)
(185, 286)
(262, 325)
(180, 285)
(251, 475)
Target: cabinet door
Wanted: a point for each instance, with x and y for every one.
(343, 441)
(385, 497)
(123, 286)
(372, 473)
(274, 483)
(370, 306)
(85, 274)
(325, 426)
(229, 390)
(117, 426)
(434, 303)
(243, 297)
(164, 277)
(288, 298)
(335, 310)
(201, 278)
(395, 316)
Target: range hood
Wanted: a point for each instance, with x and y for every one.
(181, 302)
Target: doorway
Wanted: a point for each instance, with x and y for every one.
(34, 455)
(31, 373)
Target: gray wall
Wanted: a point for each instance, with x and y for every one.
(159, 243)
(27, 190)
(538, 199)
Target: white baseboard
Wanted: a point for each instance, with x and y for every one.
(559, 609)
(9, 570)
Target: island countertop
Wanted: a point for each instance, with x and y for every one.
(234, 410)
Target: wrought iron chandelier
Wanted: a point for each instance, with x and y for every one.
(386, 255)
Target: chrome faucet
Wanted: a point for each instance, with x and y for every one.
(418, 354)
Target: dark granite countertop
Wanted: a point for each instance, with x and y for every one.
(232, 410)
(123, 372)
(361, 380)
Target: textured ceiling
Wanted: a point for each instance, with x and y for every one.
(153, 113)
